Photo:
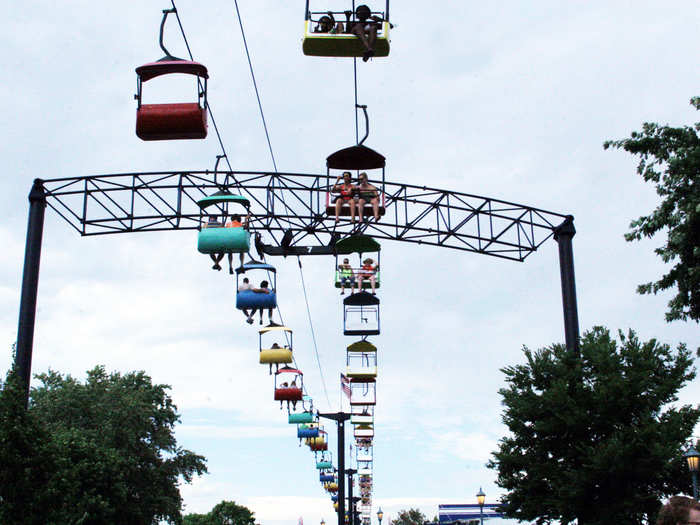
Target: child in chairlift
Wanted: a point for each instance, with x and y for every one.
(347, 276)
(368, 272)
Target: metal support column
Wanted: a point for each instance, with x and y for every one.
(351, 502)
(340, 418)
(30, 285)
(563, 235)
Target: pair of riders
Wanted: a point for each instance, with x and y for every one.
(365, 27)
(347, 275)
(363, 193)
(235, 222)
(264, 288)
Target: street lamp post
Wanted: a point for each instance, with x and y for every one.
(380, 515)
(480, 498)
(693, 458)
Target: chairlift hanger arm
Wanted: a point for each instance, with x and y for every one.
(167, 56)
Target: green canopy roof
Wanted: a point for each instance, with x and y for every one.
(357, 244)
(223, 196)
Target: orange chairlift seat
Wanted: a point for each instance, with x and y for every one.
(186, 120)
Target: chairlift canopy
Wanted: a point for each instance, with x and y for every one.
(222, 197)
(356, 158)
(166, 67)
(357, 244)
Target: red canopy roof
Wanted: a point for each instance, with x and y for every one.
(166, 67)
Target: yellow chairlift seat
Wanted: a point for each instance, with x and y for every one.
(274, 355)
(342, 44)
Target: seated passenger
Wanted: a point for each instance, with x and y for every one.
(366, 29)
(368, 272)
(368, 194)
(284, 385)
(347, 276)
(346, 191)
(275, 346)
(263, 289)
(235, 222)
(326, 24)
(245, 285)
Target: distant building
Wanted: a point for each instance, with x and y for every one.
(464, 513)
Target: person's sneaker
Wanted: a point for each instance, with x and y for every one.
(249, 320)
(260, 321)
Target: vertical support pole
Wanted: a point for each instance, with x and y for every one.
(307, 16)
(695, 486)
(563, 235)
(341, 471)
(30, 285)
(351, 500)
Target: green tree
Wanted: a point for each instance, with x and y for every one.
(224, 513)
(670, 158)
(26, 460)
(409, 517)
(110, 448)
(593, 438)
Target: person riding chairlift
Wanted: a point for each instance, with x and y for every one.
(366, 29)
(346, 191)
(368, 272)
(235, 222)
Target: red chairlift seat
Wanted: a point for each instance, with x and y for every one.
(175, 120)
(355, 158)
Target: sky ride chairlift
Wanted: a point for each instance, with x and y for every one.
(341, 44)
(361, 314)
(360, 244)
(214, 237)
(306, 415)
(276, 354)
(325, 462)
(361, 362)
(249, 299)
(289, 385)
(356, 158)
(318, 443)
(176, 120)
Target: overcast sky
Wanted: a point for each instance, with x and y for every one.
(510, 100)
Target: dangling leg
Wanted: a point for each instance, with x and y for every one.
(217, 259)
(230, 263)
(359, 31)
(352, 210)
(338, 204)
(375, 208)
(372, 281)
(361, 210)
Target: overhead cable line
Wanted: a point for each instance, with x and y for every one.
(255, 85)
(199, 83)
(272, 155)
(313, 333)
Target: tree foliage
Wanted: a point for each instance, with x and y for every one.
(224, 513)
(670, 158)
(409, 517)
(592, 438)
(105, 448)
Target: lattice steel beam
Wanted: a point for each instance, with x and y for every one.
(158, 201)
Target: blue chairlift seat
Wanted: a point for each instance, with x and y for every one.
(247, 299)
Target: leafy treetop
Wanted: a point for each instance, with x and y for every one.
(670, 158)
